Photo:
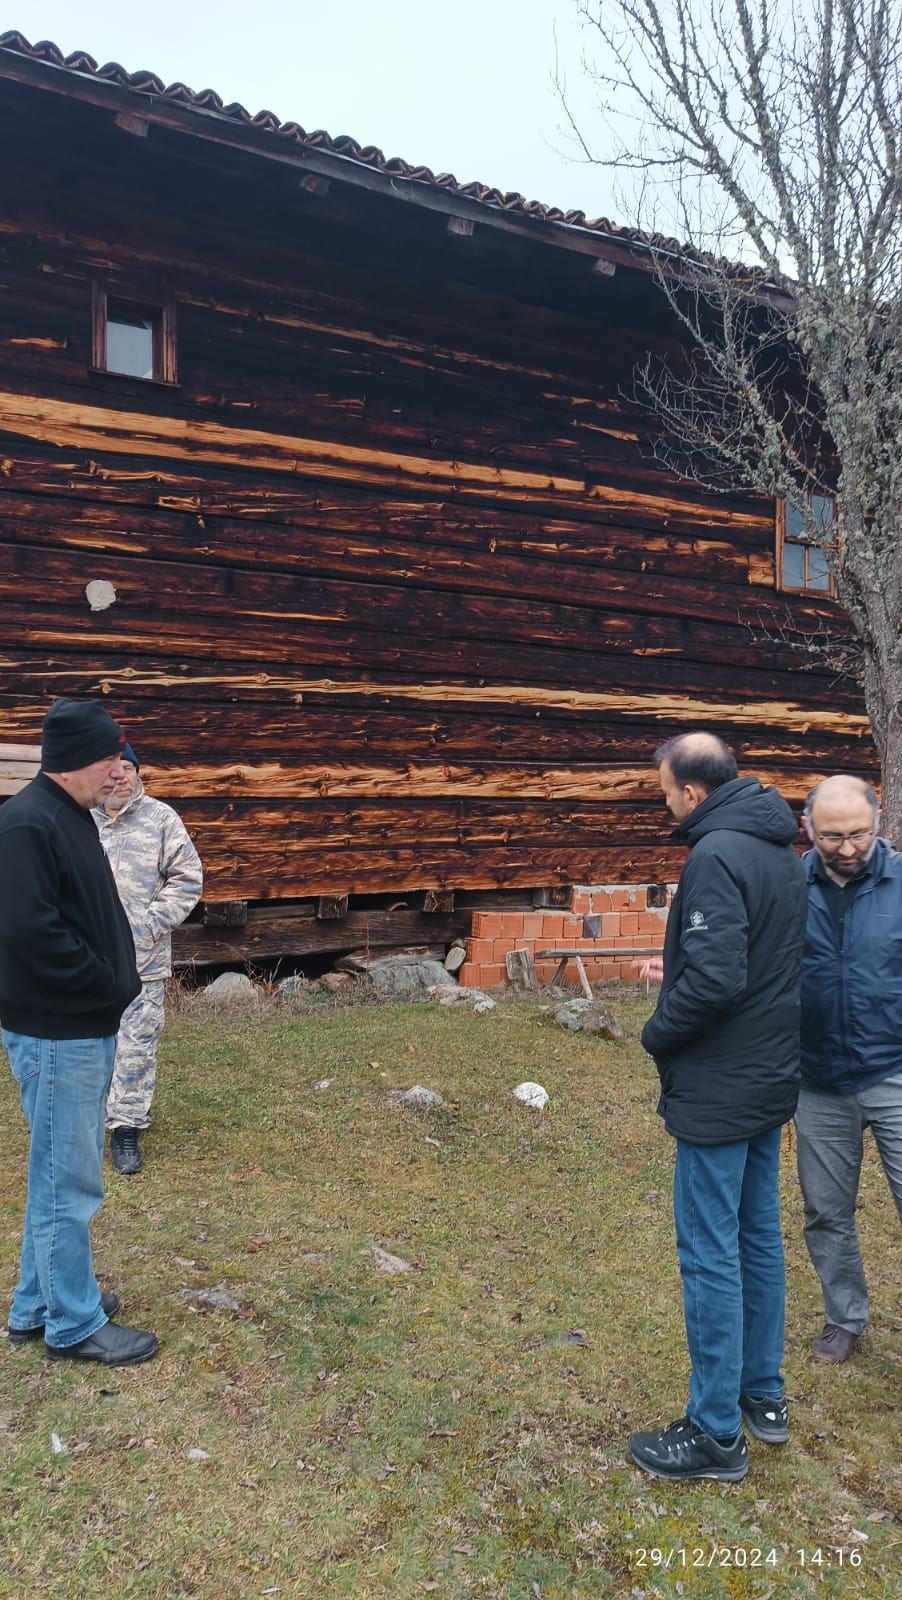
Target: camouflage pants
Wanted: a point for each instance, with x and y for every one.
(135, 1069)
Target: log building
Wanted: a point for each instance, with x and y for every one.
(323, 472)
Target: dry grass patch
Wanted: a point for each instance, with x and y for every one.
(458, 1429)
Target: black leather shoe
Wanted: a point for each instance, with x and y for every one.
(125, 1150)
(109, 1302)
(112, 1345)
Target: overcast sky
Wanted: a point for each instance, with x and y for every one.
(461, 86)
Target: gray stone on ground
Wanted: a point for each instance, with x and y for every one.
(230, 989)
(385, 1262)
(214, 1299)
(399, 975)
(295, 984)
(598, 1020)
(584, 1016)
(476, 999)
(418, 1096)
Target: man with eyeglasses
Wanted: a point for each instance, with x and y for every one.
(851, 1041)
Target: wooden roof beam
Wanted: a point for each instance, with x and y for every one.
(165, 116)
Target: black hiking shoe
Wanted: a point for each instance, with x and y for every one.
(111, 1345)
(683, 1451)
(125, 1150)
(766, 1418)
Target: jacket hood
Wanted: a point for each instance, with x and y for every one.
(744, 806)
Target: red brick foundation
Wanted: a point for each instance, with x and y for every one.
(626, 921)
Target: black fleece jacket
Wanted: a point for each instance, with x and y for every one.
(725, 1034)
(67, 959)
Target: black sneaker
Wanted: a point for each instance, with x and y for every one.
(683, 1451)
(766, 1418)
(125, 1150)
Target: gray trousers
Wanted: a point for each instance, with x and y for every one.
(829, 1137)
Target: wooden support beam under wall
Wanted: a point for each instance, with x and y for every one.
(438, 900)
(224, 913)
(554, 897)
(331, 907)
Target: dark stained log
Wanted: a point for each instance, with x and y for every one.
(510, 734)
(438, 901)
(555, 896)
(114, 480)
(654, 680)
(529, 553)
(223, 913)
(625, 612)
(271, 931)
(407, 870)
(331, 908)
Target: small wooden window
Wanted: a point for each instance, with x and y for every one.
(135, 338)
(802, 565)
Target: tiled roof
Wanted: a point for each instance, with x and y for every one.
(208, 101)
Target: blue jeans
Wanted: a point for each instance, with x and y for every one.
(726, 1207)
(63, 1084)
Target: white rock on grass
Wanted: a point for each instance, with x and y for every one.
(385, 1262)
(230, 989)
(416, 1096)
(476, 999)
(531, 1094)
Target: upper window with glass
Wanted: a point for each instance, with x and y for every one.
(802, 564)
(134, 338)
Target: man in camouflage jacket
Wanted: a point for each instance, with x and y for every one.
(160, 879)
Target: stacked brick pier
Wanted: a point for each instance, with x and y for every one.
(628, 921)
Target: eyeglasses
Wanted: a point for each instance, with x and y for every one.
(834, 840)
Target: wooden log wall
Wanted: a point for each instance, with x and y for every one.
(401, 600)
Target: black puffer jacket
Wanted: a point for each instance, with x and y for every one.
(725, 1034)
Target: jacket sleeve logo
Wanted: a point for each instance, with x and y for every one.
(697, 920)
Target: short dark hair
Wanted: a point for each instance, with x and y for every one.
(698, 758)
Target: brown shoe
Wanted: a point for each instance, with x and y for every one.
(834, 1344)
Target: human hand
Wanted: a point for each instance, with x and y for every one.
(652, 969)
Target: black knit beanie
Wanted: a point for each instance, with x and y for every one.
(128, 754)
(76, 733)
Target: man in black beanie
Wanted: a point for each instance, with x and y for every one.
(67, 973)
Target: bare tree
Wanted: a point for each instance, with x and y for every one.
(773, 133)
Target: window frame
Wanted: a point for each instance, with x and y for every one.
(165, 350)
(805, 545)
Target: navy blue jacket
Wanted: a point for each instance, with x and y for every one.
(852, 981)
(725, 1034)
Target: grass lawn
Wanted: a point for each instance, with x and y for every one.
(458, 1429)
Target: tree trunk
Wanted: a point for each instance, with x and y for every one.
(883, 698)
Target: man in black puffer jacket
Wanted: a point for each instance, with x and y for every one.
(725, 1040)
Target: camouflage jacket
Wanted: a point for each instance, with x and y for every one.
(157, 872)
